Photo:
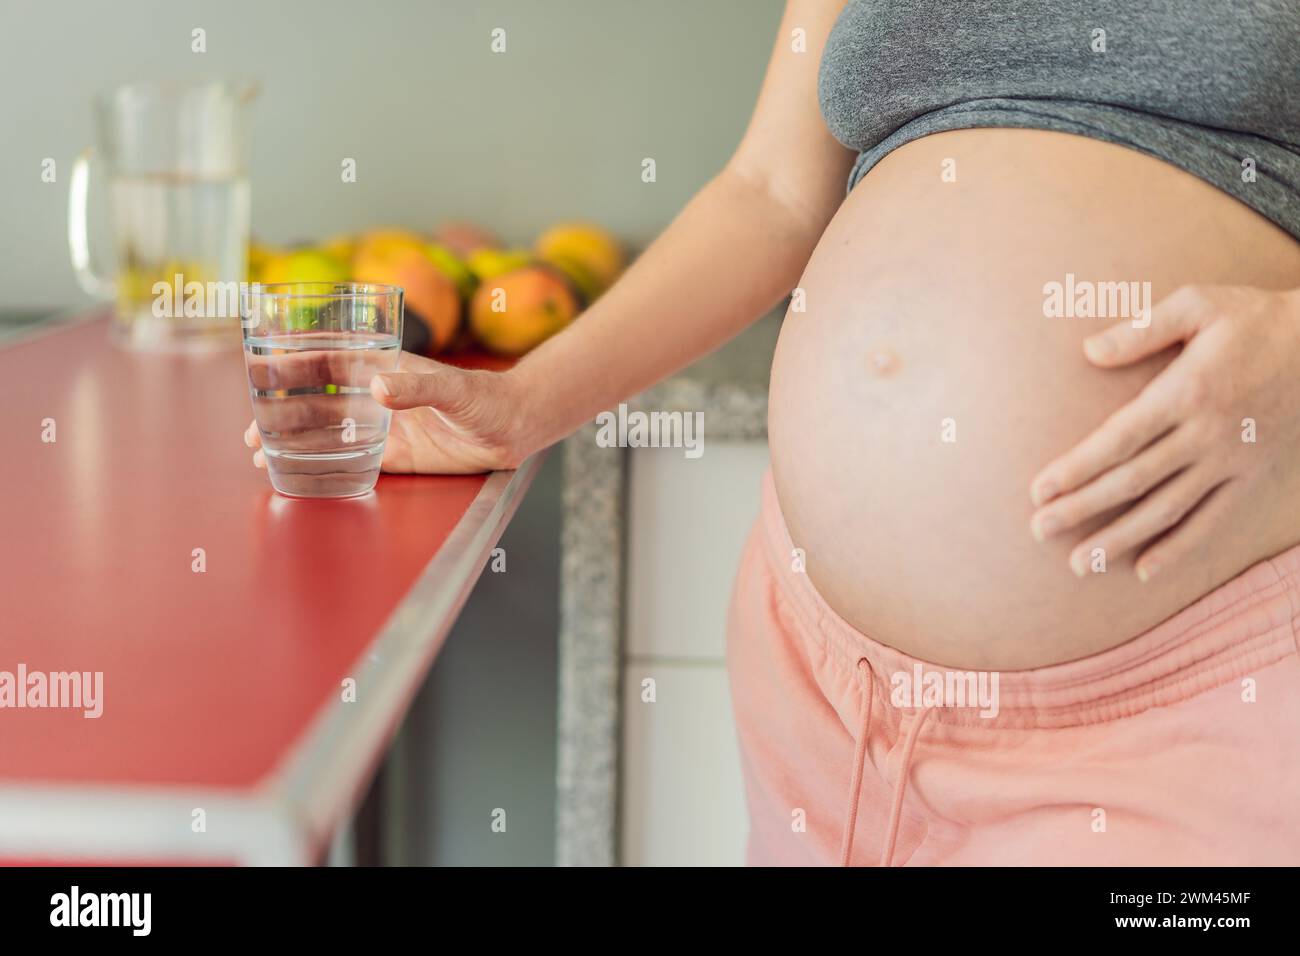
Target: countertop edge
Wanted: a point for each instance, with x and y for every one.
(287, 817)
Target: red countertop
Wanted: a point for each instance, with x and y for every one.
(212, 678)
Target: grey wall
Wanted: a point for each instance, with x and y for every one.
(481, 735)
(439, 125)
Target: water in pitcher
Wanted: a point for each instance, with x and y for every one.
(169, 225)
(322, 432)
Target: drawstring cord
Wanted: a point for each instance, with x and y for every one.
(859, 764)
(896, 811)
(855, 779)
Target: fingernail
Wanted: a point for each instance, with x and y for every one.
(1146, 570)
(1100, 346)
(1044, 527)
(1043, 492)
(383, 386)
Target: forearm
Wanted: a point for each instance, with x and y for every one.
(728, 257)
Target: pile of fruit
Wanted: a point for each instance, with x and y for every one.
(462, 286)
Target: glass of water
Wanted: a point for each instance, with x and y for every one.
(311, 349)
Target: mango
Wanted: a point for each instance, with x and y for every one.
(463, 237)
(513, 312)
(258, 256)
(341, 248)
(432, 300)
(303, 265)
(453, 267)
(382, 242)
(589, 287)
(489, 263)
(588, 253)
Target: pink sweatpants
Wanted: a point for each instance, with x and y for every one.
(1180, 747)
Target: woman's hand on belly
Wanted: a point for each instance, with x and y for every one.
(1218, 426)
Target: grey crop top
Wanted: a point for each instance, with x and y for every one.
(1210, 86)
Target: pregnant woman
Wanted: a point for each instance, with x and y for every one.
(1026, 582)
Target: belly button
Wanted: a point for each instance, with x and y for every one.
(883, 363)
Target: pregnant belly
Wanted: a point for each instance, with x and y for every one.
(922, 387)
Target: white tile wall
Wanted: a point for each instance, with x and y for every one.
(682, 795)
(688, 519)
(683, 802)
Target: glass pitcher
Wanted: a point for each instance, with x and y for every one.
(175, 158)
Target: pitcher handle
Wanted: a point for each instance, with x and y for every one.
(78, 236)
